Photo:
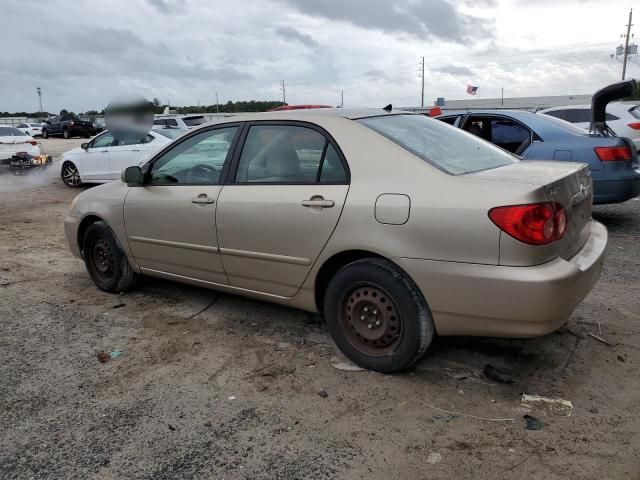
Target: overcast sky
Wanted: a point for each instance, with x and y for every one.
(84, 52)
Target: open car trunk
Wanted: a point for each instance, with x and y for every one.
(601, 99)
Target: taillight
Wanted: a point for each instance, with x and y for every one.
(32, 142)
(634, 125)
(534, 223)
(613, 154)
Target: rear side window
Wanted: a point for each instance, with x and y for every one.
(287, 154)
(193, 121)
(451, 150)
(635, 112)
(577, 115)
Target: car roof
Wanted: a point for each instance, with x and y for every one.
(308, 115)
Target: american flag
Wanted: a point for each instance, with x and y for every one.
(471, 90)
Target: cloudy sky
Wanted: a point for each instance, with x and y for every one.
(84, 52)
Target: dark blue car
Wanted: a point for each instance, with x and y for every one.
(614, 161)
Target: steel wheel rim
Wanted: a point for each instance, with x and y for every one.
(102, 258)
(370, 320)
(70, 175)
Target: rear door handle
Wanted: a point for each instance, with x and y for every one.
(318, 203)
(203, 198)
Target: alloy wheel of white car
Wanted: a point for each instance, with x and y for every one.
(70, 175)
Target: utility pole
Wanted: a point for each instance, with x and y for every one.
(626, 45)
(39, 91)
(341, 98)
(284, 94)
(421, 75)
(502, 97)
(217, 107)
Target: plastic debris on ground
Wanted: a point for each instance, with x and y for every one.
(115, 354)
(434, 458)
(532, 423)
(347, 367)
(323, 393)
(552, 406)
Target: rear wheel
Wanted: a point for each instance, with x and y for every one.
(105, 259)
(70, 175)
(377, 315)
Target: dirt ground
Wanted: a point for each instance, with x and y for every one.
(216, 386)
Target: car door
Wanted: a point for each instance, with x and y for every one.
(94, 163)
(171, 220)
(285, 195)
(126, 153)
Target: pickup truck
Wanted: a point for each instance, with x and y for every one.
(67, 127)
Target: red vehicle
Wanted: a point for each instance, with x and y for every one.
(297, 107)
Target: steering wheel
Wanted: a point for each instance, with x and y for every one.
(202, 171)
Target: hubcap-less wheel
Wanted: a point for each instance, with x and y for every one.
(102, 258)
(70, 175)
(370, 320)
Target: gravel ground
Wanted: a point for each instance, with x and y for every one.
(212, 385)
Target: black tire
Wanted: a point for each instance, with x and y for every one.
(45, 134)
(70, 175)
(106, 261)
(66, 134)
(401, 329)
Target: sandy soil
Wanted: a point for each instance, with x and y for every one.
(211, 385)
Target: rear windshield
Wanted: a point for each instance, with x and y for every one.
(193, 121)
(449, 149)
(8, 131)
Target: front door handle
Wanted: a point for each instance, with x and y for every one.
(319, 203)
(203, 198)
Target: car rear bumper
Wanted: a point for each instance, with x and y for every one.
(71, 225)
(616, 190)
(503, 301)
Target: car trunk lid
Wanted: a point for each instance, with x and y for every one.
(601, 99)
(568, 184)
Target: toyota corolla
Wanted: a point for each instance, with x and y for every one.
(393, 226)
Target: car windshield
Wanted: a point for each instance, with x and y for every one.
(449, 149)
(193, 121)
(35, 125)
(8, 131)
(171, 133)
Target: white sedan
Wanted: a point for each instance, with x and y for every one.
(13, 141)
(32, 129)
(103, 158)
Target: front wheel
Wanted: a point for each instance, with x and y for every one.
(45, 134)
(70, 175)
(66, 134)
(377, 315)
(105, 259)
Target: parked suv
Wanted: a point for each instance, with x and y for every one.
(67, 127)
(623, 119)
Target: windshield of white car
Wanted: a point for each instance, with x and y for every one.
(171, 133)
(8, 131)
(193, 121)
(450, 149)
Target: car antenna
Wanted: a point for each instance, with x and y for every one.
(388, 108)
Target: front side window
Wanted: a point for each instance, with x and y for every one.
(288, 154)
(451, 150)
(196, 161)
(104, 140)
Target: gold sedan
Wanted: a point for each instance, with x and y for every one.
(393, 226)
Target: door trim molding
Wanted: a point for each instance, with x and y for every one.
(269, 257)
(168, 243)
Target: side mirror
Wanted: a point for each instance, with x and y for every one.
(84, 146)
(132, 176)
